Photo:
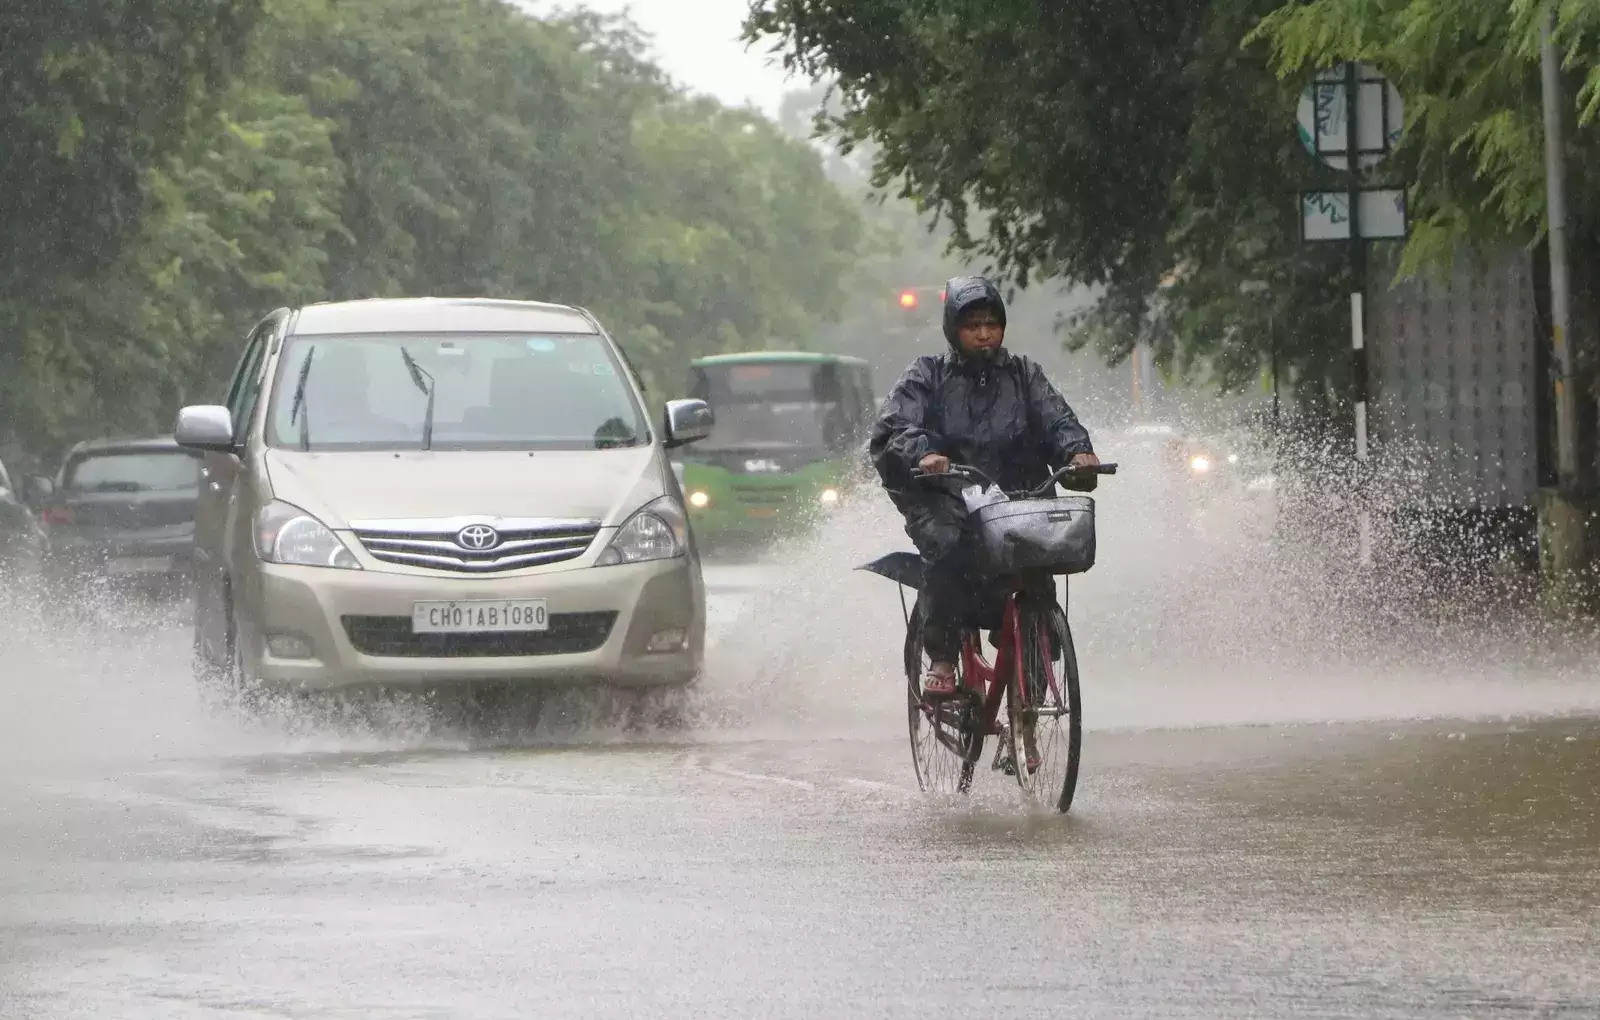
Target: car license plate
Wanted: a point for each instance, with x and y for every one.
(500, 616)
(128, 565)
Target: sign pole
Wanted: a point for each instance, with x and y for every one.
(1560, 292)
(1358, 324)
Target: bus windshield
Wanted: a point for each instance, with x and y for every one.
(794, 405)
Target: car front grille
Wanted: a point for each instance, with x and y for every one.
(436, 544)
(392, 637)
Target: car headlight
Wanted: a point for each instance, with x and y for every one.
(828, 497)
(1200, 465)
(658, 532)
(699, 499)
(287, 534)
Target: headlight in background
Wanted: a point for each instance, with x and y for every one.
(1200, 464)
(660, 531)
(828, 497)
(699, 499)
(287, 534)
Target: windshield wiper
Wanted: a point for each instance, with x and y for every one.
(297, 409)
(417, 375)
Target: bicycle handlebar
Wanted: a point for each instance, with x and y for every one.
(970, 473)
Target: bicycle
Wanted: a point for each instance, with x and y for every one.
(1030, 538)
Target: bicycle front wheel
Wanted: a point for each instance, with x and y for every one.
(945, 737)
(1045, 711)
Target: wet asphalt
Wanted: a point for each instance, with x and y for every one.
(1417, 868)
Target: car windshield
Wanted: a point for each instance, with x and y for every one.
(134, 472)
(489, 392)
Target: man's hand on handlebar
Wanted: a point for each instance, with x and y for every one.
(1085, 460)
(934, 464)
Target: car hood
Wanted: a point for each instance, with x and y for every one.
(343, 486)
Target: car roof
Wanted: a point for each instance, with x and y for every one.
(440, 315)
(757, 357)
(131, 444)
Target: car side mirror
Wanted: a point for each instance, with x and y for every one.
(688, 421)
(37, 490)
(205, 427)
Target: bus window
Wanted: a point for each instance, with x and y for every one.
(797, 405)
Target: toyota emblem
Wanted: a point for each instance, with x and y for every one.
(477, 537)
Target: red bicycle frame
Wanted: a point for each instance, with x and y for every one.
(988, 683)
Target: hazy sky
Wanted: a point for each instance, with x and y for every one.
(697, 42)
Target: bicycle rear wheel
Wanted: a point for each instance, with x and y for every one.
(1046, 719)
(945, 737)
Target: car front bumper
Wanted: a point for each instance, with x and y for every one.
(318, 628)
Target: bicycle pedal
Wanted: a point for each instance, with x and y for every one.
(1005, 759)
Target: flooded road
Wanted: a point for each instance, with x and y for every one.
(1266, 826)
(1328, 871)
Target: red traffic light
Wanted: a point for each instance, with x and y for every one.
(908, 299)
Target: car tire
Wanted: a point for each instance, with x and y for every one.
(209, 678)
(666, 708)
(242, 691)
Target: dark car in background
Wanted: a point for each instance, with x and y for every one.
(122, 514)
(22, 541)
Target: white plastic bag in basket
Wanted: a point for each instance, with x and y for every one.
(977, 497)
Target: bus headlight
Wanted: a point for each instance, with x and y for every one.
(1200, 465)
(699, 499)
(829, 497)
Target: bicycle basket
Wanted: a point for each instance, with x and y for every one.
(1054, 535)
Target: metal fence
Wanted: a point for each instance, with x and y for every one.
(1455, 378)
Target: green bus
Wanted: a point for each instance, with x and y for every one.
(789, 425)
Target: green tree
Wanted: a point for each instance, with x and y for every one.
(742, 242)
(388, 147)
(1113, 145)
(93, 94)
(239, 222)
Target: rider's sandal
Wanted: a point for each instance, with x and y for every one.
(938, 685)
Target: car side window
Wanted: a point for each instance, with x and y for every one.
(240, 372)
(247, 393)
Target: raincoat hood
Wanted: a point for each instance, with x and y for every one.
(960, 294)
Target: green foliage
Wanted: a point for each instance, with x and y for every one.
(92, 94)
(1127, 144)
(1052, 117)
(1106, 144)
(721, 260)
(1473, 151)
(409, 147)
(233, 226)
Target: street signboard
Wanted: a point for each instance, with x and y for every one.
(1324, 117)
(1325, 215)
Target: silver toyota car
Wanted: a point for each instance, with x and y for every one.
(428, 491)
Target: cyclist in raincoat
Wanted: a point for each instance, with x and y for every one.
(977, 404)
